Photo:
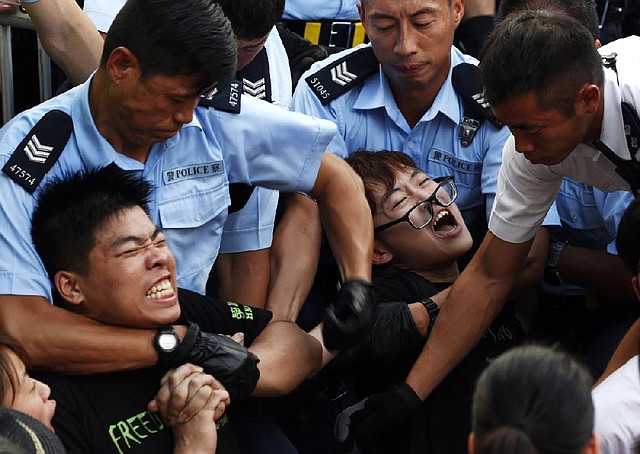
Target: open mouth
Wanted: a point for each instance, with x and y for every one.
(444, 223)
(162, 289)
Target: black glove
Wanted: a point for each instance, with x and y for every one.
(349, 318)
(371, 421)
(394, 337)
(220, 356)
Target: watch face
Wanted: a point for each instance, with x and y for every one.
(167, 341)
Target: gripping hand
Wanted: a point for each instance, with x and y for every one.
(349, 318)
(227, 361)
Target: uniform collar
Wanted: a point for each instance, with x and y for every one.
(612, 122)
(376, 93)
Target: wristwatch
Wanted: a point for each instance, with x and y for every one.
(166, 340)
(433, 310)
(551, 272)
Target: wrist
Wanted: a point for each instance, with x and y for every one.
(433, 310)
(552, 271)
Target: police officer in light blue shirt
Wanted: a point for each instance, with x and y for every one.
(264, 71)
(139, 111)
(369, 118)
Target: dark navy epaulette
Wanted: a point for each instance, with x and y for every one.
(343, 74)
(39, 150)
(468, 85)
(227, 99)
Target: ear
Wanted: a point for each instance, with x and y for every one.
(588, 99)
(68, 285)
(381, 255)
(122, 63)
(471, 443)
(458, 11)
(360, 11)
(593, 445)
(598, 44)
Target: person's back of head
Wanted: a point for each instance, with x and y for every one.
(70, 210)
(176, 38)
(533, 399)
(543, 52)
(252, 19)
(584, 11)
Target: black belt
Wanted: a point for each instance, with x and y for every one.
(330, 33)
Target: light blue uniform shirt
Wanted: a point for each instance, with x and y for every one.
(590, 217)
(368, 118)
(251, 228)
(314, 10)
(191, 173)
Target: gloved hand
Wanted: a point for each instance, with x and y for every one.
(371, 421)
(394, 336)
(226, 360)
(348, 319)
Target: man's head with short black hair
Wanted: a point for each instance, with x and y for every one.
(545, 53)
(70, 210)
(171, 38)
(251, 19)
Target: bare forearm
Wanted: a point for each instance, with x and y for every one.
(473, 302)
(597, 270)
(68, 36)
(294, 256)
(64, 342)
(244, 277)
(287, 356)
(627, 349)
(346, 218)
(532, 272)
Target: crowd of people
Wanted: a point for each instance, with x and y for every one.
(269, 226)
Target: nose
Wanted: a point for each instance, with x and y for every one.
(524, 144)
(158, 257)
(43, 390)
(406, 40)
(184, 114)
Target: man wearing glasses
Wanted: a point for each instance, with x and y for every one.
(419, 236)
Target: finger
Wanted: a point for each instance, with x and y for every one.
(238, 337)
(197, 404)
(183, 392)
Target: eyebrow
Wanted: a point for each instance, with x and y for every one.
(135, 238)
(388, 194)
(426, 10)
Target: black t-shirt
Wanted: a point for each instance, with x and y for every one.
(107, 413)
(444, 421)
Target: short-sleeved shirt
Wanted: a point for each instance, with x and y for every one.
(190, 173)
(526, 190)
(251, 228)
(616, 402)
(368, 118)
(321, 10)
(107, 413)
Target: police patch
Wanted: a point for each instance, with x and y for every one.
(192, 171)
(455, 163)
(343, 74)
(39, 150)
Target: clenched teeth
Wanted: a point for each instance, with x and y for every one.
(162, 290)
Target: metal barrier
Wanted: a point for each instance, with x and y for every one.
(19, 20)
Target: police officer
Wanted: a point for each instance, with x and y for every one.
(263, 69)
(139, 112)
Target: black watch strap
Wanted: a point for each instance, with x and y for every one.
(433, 310)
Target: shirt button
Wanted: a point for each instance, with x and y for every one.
(575, 218)
(410, 145)
(197, 216)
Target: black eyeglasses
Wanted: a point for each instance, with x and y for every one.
(421, 214)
